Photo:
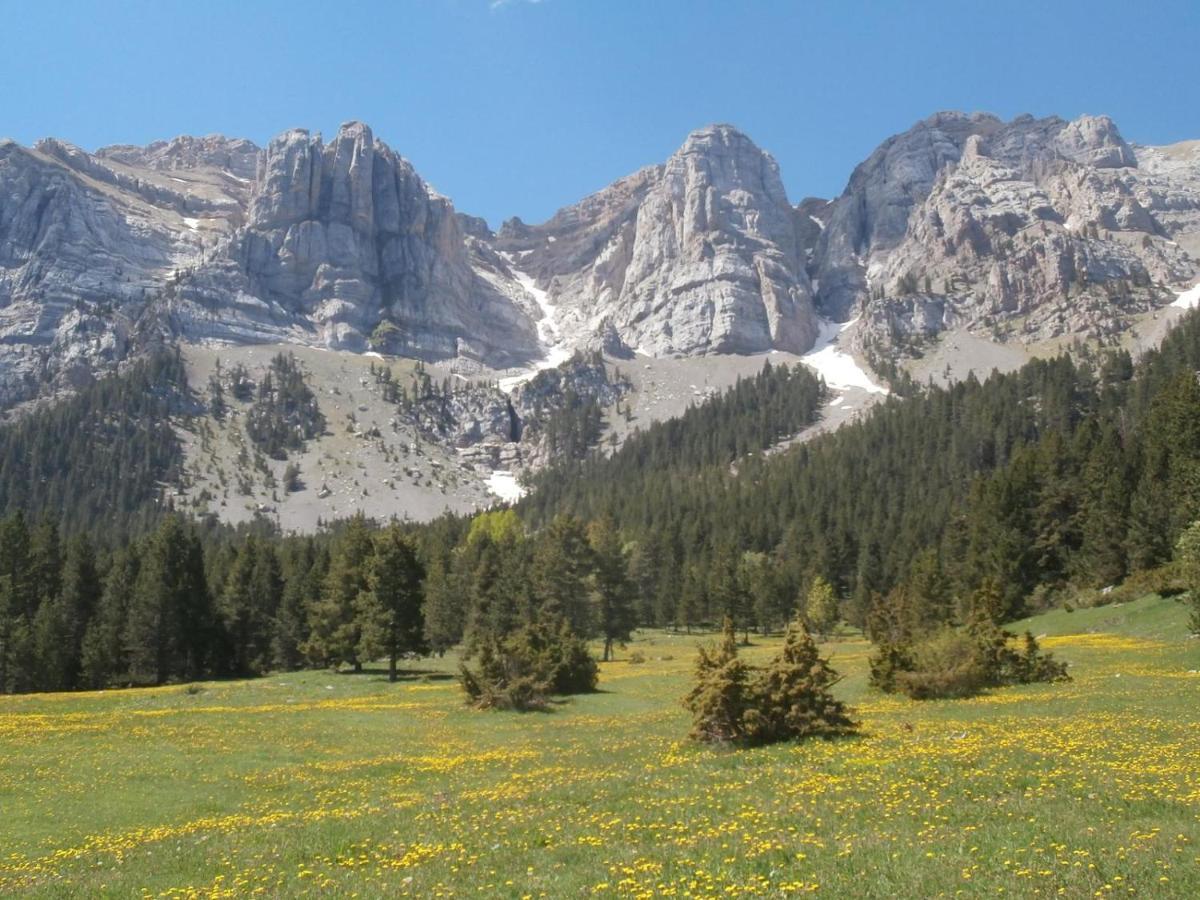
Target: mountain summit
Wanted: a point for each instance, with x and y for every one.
(1026, 231)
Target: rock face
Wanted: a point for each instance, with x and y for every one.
(1025, 230)
(348, 237)
(209, 238)
(699, 255)
(1031, 229)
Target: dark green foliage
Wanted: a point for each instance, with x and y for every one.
(522, 670)
(1075, 470)
(789, 699)
(285, 413)
(959, 662)
(248, 605)
(792, 695)
(1187, 557)
(169, 623)
(334, 627)
(389, 612)
(616, 615)
(97, 461)
(721, 695)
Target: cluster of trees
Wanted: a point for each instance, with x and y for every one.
(933, 658)
(285, 412)
(185, 603)
(498, 578)
(98, 461)
(1072, 472)
(789, 699)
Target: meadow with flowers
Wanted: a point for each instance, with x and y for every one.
(320, 784)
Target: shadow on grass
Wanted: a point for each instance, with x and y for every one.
(373, 672)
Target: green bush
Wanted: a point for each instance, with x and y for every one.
(789, 699)
(524, 669)
(960, 662)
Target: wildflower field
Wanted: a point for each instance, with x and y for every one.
(341, 785)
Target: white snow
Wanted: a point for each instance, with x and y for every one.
(193, 224)
(838, 368)
(549, 336)
(818, 222)
(504, 485)
(1188, 299)
(374, 353)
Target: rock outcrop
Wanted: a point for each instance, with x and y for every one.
(698, 255)
(1028, 230)
(348, 237)
(341, 245)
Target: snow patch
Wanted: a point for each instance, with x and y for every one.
(818, 222)
(1188, 299)
(550, 337)
(505, 486)
(838, 368)
(193, 224)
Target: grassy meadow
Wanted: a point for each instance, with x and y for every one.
(342, 785)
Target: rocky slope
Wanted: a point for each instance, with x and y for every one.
(1029, 230)
(340, 245)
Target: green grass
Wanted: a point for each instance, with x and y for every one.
(317, 783)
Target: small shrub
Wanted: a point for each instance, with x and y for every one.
(789, 699)
(960, 662)
(524, 669)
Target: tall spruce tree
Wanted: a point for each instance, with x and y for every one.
(615, 592)
(390, 610)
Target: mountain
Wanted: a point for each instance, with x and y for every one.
(216, 239)
(699, 255)
(1024, 231)
(966, 240)
(1028, 230)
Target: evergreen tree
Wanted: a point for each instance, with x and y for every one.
(719, 697)
(1187, 555)
(105, 658)
(792, 697)
(563, 562)
(390, 611)
(614, 590)
(249, 603)
(168, 626)
(80, 598)
(334, 626)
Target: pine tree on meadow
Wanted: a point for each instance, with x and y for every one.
(792, 695)
(390, 610)
(718, 698)
(616, 614)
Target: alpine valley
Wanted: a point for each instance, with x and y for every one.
(347, 341)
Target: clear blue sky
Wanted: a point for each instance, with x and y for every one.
(519, 107)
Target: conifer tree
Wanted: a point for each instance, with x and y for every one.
(719, 697)
(105, 658)
(80, 596)
(562, 564)
(168, 626)
(334, 627)
(614, 590)
(390, 610)
(792, 697)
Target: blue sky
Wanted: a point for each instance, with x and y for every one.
(519, 107)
